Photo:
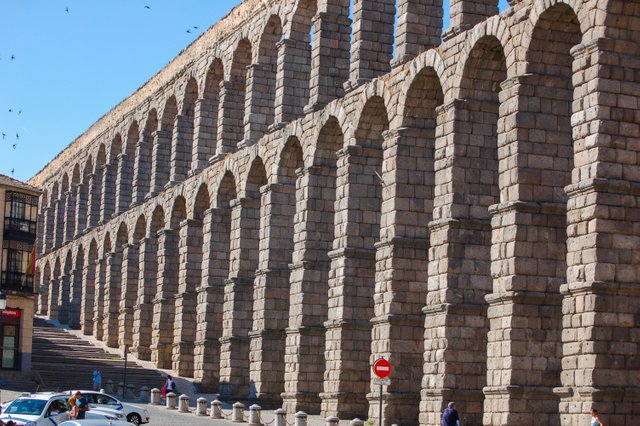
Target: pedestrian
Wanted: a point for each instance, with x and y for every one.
(171, 385)
(595, 419)
(82, 405)
(97, 379)
(73, 408)
(450, 415)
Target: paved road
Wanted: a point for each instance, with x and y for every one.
(161, 416)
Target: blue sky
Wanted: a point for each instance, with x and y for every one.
(70, 68)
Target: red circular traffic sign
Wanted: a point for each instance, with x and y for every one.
(382, 368)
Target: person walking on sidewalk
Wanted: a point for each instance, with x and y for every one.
(97, 379)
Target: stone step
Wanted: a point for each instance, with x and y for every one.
(65, 361)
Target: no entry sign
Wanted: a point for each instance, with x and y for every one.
(382, 368)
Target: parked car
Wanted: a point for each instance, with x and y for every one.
(102, 401)
(46, 409)
(95, 422)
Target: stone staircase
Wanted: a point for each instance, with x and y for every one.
(64, 361)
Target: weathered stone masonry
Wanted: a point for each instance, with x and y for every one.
(290, 199)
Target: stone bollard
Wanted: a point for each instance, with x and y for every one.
(332, 421)
(130, 392)
(144, 394)
(108, 387)
(254, 415)
(216, 409)
(238, 412)
(356, 422)
(120, 391)
(201, 406)
(301, 418)
(183, 404)
(281, 417)
(171, 401)
(155, 396)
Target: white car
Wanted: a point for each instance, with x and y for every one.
(47, 410)
(95, 422)
(102, 401)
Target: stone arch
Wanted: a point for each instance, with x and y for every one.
(64, 185)
(44, 289)
(210, 111)
(143, 314)
(54, 289)
(96, 187)
(122, 236)
(313, 238)
(126, 169)
(303, 40)
(168, 279)
(483, 73)
(162, 145)
(202, 202)
(140, 229)
(360, 212)
(191, 257)
(63, 297)
(182, 145)
(266, 71)
(89, 289)
(231, 132)
(76, 288)
(143, 162)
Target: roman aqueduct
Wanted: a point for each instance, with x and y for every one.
(314, 184)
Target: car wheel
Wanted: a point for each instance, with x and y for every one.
(134, 418)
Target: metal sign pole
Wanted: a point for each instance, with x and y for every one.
(380, 423)
(124, 387)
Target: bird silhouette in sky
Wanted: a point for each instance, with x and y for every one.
(19, 112)
(10, 110)
(12, 170)
(17, 136)
(147, 7)
(195, 28)
(4, 135)
(14, 145)
(189, 31)
(13, 57)
(66, 9)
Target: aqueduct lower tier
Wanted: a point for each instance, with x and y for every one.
(283, 204)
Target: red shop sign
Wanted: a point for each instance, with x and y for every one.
(13, 313)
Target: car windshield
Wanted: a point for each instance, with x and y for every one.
(31, 407)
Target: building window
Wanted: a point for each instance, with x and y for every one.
(21, 213)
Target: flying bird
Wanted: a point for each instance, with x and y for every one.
(4, 135)
(66, 9)
(14, 145)
(12, 170)
(10, 110)
(195, 28)
(17, 136)
(189, 31)
(148, 7)
(19, 112)
(13, 57)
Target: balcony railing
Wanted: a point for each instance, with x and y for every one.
(23, 230)
(17, 281)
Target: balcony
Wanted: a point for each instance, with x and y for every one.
(16, 281)
(19, 230)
